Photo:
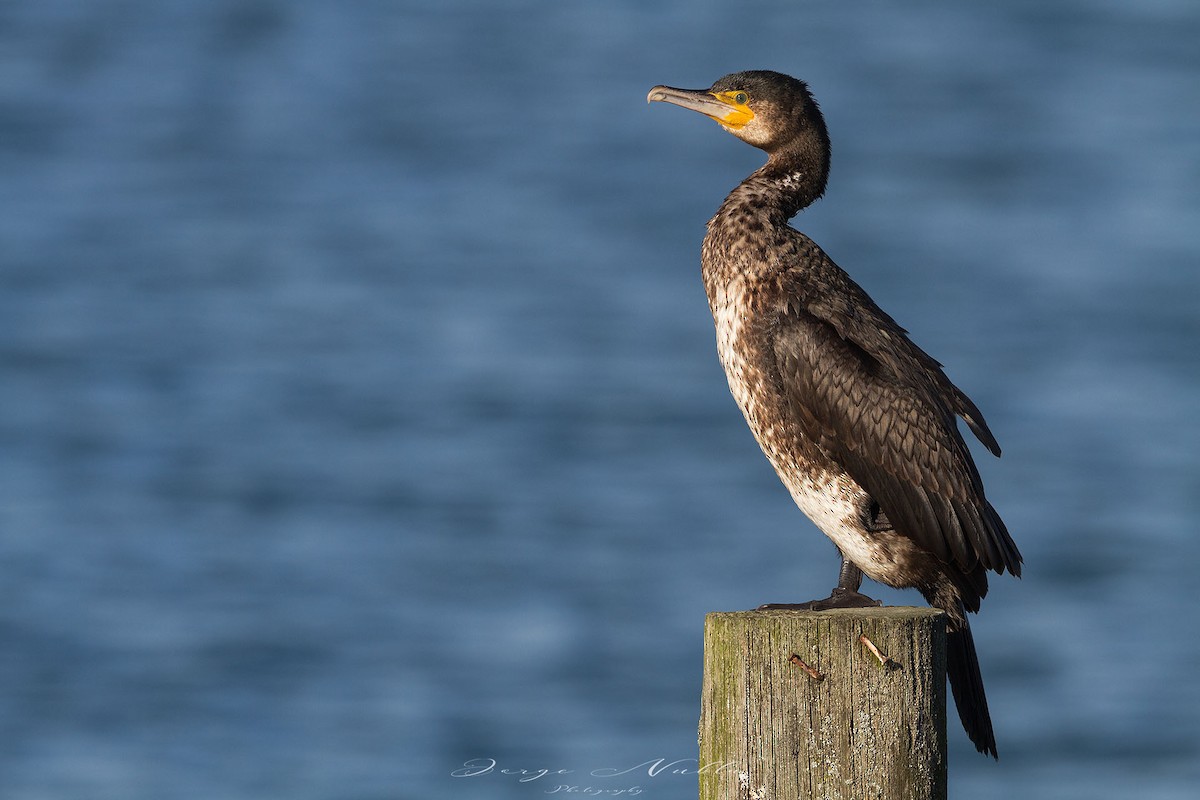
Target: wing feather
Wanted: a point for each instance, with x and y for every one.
(884, 409)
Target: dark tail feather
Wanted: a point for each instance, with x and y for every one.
(962, 667)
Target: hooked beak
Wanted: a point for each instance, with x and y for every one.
(722, 109)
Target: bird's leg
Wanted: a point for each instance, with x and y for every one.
(844, 595)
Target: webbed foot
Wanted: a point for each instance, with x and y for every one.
(840, 598)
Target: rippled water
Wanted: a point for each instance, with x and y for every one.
(360, 420)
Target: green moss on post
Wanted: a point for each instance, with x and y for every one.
(796, 705)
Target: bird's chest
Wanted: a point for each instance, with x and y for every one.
(743, 319)
(738, 278)
(741, 349)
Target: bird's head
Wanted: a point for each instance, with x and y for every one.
(772, 111)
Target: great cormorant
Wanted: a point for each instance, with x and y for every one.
(858, 421)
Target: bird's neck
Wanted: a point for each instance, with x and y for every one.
(777, 191)
(751, 224)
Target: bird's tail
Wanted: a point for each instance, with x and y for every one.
(962, 667)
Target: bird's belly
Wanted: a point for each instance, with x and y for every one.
(836, 504)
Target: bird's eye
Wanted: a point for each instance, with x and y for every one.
(740, 98)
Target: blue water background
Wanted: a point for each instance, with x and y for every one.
(359, 414)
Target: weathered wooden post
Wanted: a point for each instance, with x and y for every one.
(803, 705)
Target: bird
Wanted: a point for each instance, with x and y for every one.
(859, 422)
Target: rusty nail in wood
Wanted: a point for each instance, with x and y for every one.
(811, 670)
(883, 660)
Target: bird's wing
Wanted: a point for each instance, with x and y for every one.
(863, 393)
(856, 317)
